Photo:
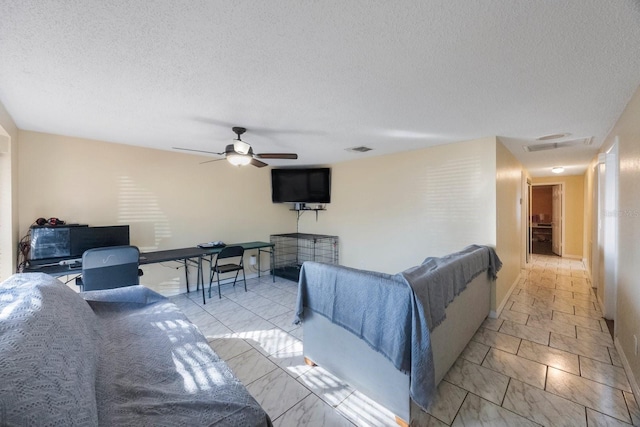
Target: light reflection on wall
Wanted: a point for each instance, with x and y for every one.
(139, 208)
(452, 201)
(452, 190)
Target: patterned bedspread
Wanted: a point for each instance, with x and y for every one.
(123, 357)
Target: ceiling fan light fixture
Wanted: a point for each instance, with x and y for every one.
(241, 147)
(238, 159)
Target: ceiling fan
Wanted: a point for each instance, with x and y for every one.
(240, 153)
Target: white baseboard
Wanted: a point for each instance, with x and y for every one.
(495, 314)
(627, 369)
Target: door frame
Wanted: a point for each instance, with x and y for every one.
(563, 207)
(525, 201)
(610, 218)
(6, 207)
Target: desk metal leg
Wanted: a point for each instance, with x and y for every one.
(200, 277)
(271, 266)
(186, 274)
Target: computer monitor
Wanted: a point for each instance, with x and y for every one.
(82, 239)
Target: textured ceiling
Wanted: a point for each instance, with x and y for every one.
(319, 77)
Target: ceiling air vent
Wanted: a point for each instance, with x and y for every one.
(555, 145)
(361, 149)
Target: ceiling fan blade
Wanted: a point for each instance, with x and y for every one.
(286, 156)
(214, 160)
(197, 151)
(258, 163)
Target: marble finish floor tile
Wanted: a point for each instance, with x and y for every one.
(540, 336)
(525, 370)
(597, 419)
(422, 419)
(557, 305)
(634, 409)
(574, 345)
(325, 385)
(482, 381)
(588, 313)
(524, 299)
(550, 356)
(529, 309)
(600, 338)
(543, 407)
(291, 359)
(577, 302)
(363, 411)
(514, 316)
(585, 322)
(475, 352)
(312, 411)
(214, 330)
(242, 324)
(551, 325)
(268, 341)
(476, 411)
(496, 339)
(588, 393)
(585, 297)
(604, 373)
(250, 365)
(284, 321)
(277, 392)
(272, 310)
(615, 357)
(447, 402)
(491, 323)
(228, 348)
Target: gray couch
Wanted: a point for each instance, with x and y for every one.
(394, 337)
(118, 357)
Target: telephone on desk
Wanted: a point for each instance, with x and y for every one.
(216, 244)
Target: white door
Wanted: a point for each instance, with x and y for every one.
(556, 220)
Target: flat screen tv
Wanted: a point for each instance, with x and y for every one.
(311, 185)
(82, 239)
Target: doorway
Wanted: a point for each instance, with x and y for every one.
(546, 219)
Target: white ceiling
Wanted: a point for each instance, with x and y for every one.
(318, 77)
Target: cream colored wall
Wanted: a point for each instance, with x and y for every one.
(167, 198)
(391, 212)
(627, 321)
(8, 195)
(509, 222)
(574, 215)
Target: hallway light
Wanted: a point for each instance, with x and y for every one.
(557, 169)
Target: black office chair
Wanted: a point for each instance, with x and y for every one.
(218, 268)
(110, 267)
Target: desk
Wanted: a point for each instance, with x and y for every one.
(187, 255)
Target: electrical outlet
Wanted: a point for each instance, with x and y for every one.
(252, 260)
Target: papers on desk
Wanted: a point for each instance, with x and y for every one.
(217, 244)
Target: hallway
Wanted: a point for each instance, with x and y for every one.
(548, 358)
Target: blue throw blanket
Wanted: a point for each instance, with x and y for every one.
(437, 281)
(393, 314)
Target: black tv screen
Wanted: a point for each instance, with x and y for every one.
(86, 238)
(311, 185)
